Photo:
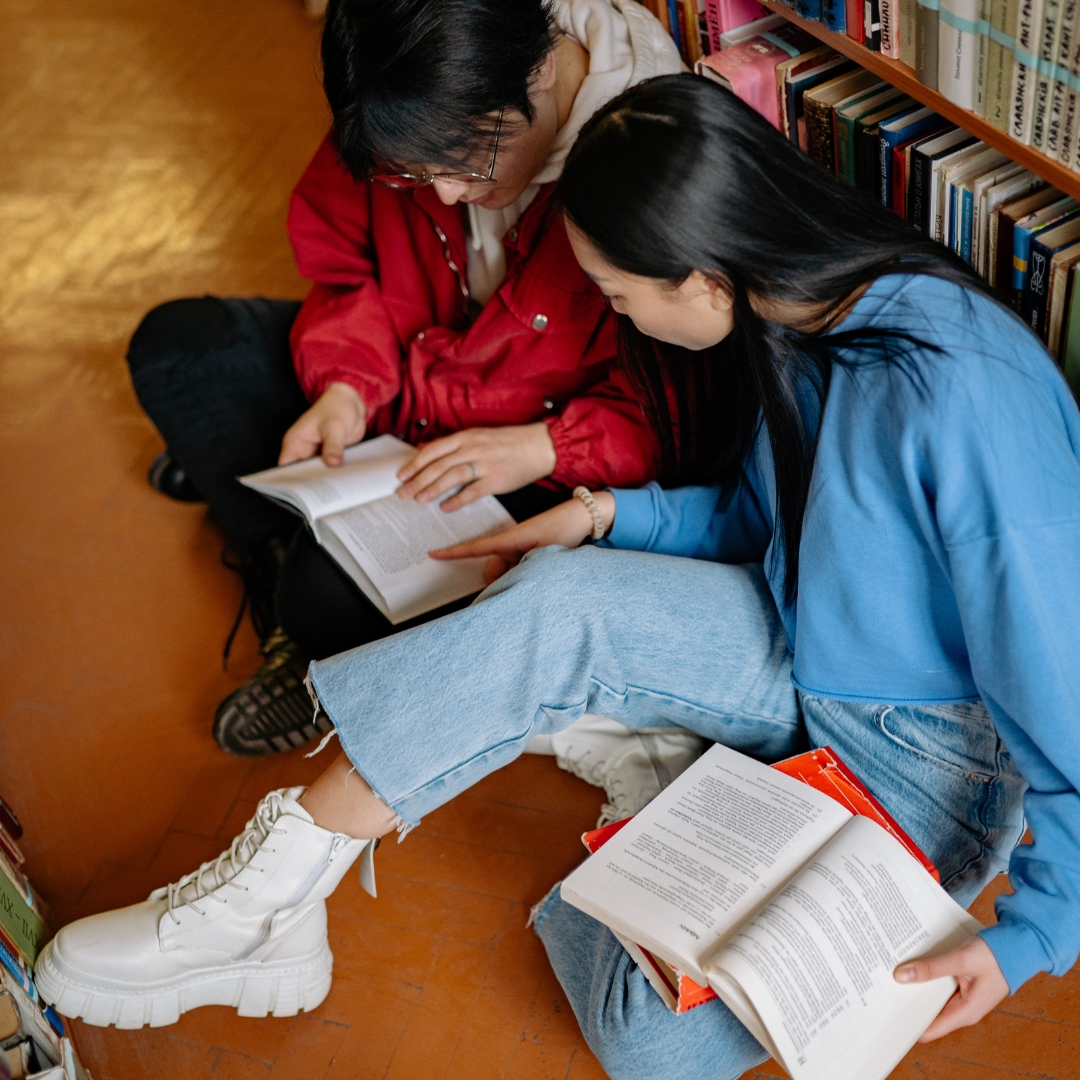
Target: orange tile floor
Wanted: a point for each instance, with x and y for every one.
(146, 152)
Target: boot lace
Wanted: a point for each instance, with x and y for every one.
(258, 572)
(202, 884)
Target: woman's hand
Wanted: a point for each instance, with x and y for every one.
(338, 419)
(567, 524)
(488, 461)
(981, 985)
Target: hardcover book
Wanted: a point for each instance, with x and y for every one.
(922, 157)
(1025, 71)
(926, 42)
(958, 51)
(844, 116)
(1049, 45)
(1045, 245)
(1060, 82)
(1002, 227)
(999, 62)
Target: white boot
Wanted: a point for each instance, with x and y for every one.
(247, 930)
(632, 765)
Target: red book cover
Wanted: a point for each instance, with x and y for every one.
(821, 769)
(856, 19)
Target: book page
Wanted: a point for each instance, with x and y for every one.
(816, 963)
(368, 472)
(390, 539)
(703, 855)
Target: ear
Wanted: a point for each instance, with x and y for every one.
(717, 289)
(544, 77)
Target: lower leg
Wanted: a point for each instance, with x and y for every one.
(341, 802)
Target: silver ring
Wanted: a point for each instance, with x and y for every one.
(473, 467)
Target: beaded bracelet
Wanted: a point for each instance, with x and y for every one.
(585, 495)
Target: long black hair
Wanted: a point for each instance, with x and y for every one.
(677, 174)
(418, 81)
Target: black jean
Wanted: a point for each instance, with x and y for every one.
(217, 379)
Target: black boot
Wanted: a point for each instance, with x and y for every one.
(273, 711)
(167, 476)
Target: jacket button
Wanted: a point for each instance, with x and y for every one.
(539, 322)
(420, 336)
(421, 423)
(548, 403)
(512, 234)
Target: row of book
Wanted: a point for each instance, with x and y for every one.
(697, 25)
(34, 1044)
(1017, 232)
(1016, 63)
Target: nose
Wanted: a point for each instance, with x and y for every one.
(449, 191)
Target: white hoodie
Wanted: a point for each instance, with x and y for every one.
(626, 45)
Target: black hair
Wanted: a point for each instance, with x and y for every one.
(419, 81)
(677, 174)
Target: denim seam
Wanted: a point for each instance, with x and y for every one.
(879, 719)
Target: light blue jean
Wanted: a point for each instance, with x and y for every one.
(651, 640)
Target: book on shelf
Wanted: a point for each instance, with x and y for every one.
(892, 133)
(821, 769)
(982, 57)
(797, 81)
(907, 32)
(999, 62)
(1060, 81)
(1024, 231)
(1049, 45)
(1018, 183)
(1070, 338)
(1045, 245)
(868, 143)
(1070, 121)
(939, 169)
(962, 171)
(872, 25)
(926, 42)
(856, 21)
(846, 114)
(1057, 297)
(971, 202)
(901, 177)
(748, 68)
(379, 540)
(792, 908)
(889, 44)
(791, 68)
(998, 200)
(818, 108)
(1002, 229)
(1025, 70)
(834, 15)
(751, 29)
(808, 9)
(958, 50)
(920, 202)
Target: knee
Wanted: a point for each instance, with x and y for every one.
(557, 578)
(180, 327)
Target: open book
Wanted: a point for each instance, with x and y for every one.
(794, 910)
(381, 541)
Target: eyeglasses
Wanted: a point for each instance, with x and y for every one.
(408, 180)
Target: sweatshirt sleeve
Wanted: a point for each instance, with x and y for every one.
(1006, 485)
(723, 524)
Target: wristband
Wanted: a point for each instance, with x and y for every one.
(585, 495)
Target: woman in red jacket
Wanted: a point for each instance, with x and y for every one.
(447, 309)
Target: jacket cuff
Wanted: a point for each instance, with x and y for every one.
(368, 389)
(635, 518)
(1018, 950)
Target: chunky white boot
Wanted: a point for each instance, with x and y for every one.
(632, 765)
(247, 930)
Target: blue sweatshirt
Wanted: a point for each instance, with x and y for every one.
(939, 561)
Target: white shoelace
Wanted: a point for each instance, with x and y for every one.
(228, 864)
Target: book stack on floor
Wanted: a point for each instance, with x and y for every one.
(1015, 63)
(1021, 235)
(33, 1042)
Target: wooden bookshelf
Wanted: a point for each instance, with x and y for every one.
(900, 75)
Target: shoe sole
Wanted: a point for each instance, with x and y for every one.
(283, 988)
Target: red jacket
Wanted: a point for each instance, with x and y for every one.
(387, 315)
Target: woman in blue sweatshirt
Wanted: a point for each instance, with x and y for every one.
(876, 546)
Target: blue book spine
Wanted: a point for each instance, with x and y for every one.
(968, 200)
(673, 22)
(1021, 253)
(809, 9)
(14, 965)
(892, 139)
(950, 240)
(834, 15)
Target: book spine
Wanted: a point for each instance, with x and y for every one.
(982, 60)
(926, 42)
(958, 47)
(1059, 95)
(918, 206)
(21, 925)
(1000, 62)
(855, 21)
(694, 51)
(1070, 359)
(1033, 300)
(845, 163)
(809, 9)
(12, 962)
(907, 32)
(1025, 69)
(884, 172)
(712, 20)
(967, 216)
(673, 23)
(899, 180)
(819, 132)
(834, 15)
(1049, 41)
(872, 25)
(889, 44)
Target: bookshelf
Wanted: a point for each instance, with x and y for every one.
(900, 75)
